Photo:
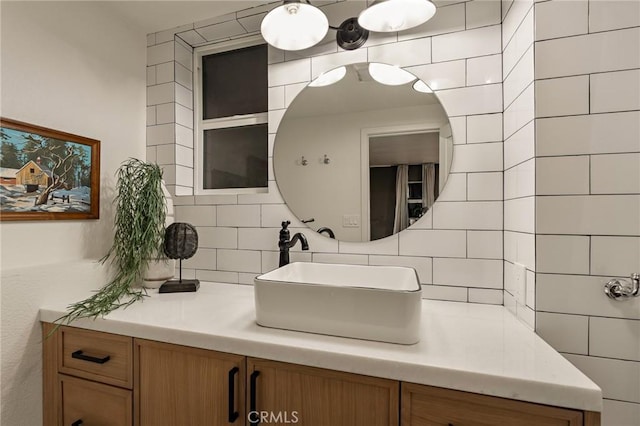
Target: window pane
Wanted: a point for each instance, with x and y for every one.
(235, 82)
(235, 157)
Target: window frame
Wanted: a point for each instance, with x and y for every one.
(201, 125)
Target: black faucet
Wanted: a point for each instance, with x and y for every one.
(284, 243)
(328, 231)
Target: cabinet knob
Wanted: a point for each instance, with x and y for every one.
(77, 423)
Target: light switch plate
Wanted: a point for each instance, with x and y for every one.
(351, 221)
(520, 272)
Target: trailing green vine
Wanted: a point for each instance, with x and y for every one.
(139, 226)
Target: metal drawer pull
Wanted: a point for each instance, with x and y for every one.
(233, 414)
(80, 355)
(617, 290)
(77, 423)
(252, 399)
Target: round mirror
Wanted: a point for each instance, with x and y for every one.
(363, 152)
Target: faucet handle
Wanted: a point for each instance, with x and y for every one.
(285, 223)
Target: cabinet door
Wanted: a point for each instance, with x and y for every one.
(430, 406)
(280, 393)
(94, 404)
(177, 385)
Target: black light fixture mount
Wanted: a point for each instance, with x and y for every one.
(350, 35)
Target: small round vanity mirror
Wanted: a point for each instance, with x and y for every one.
(363, 152)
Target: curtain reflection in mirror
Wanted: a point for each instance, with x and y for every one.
(428, 185)
(402, 208)
(411, 204)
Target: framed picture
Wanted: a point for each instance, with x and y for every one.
(46, 174)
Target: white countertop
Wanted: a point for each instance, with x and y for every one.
(475, 348)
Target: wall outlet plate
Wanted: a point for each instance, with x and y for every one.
(520, 278)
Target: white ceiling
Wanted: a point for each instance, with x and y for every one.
(153, 16)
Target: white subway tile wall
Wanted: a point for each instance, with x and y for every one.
(484, 128)
(562, 96)
(484, 186)
(566, 333)
(587, 71)
(562, 175)
(545, 93)
(610, 255)
(458, 53)
(555, 19)
(519, 154)
(618, 413)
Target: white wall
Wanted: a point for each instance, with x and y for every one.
(75, 67)
(587, 109)
(456, 247)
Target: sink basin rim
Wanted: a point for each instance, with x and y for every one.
(267, 276)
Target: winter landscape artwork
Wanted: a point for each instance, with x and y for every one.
(47, 174)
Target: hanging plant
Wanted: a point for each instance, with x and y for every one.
(140, 215)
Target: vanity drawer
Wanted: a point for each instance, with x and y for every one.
(431, 406)
(103, 357)
(89, 403)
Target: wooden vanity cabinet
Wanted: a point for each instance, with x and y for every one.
(182, 386)
(87, 378)
(431, 406)
(317, 397)
(122, 381)
(178, 385)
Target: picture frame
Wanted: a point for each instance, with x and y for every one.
(47, 174)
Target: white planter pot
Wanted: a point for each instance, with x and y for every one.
(157, 272)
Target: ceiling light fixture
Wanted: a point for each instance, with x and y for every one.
(390, 75)
(295, 25)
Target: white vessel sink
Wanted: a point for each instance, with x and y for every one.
(381, 303)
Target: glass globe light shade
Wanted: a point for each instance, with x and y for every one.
(294, 26)
(396, 15)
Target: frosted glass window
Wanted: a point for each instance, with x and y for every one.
(235, 157)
